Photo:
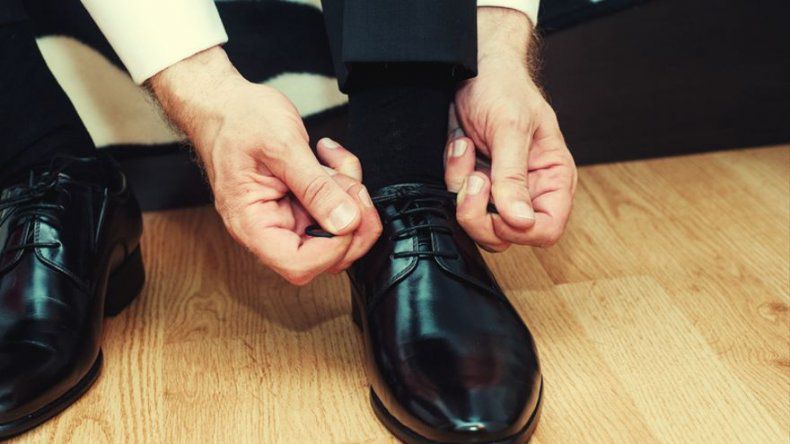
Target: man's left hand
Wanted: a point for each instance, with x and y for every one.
(532, 176)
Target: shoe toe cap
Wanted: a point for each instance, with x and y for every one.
(469, 408)
(28, 371)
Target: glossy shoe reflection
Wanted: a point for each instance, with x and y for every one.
(69, 254)
(448, 358)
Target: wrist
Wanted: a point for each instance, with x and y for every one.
(504, 38)
(192, 91)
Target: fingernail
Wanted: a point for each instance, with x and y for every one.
(473, 185)
(342, 216)
(329, 143)
(459, 148)
(364, 197)
(523, 211)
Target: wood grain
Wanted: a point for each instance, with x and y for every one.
(662, 316)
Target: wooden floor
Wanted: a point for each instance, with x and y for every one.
(661, 316)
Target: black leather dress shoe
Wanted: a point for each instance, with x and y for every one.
(449, 359)
(69, 254)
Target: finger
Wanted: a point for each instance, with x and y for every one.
(545, 232)
(552, 182)
(369, 229)
(509, 167)
(282, 249)
(472, 213)
(460, 162)
(554, 151)
(322, 197)
(553, 190)
(558, 205)
(300, 260)
(338, 158)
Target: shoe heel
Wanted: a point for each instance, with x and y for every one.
(356, 314)
(124, 284)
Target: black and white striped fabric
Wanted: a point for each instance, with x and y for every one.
(279, 43)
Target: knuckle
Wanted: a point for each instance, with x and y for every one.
(515, 119)
(298, 278)
(517, 176)
(317, 188)
(511, 176)
(453, 183)
(551, 238)
(275, 149)
(280, 146)
(352, 164)
(464, 218)
(377, 230)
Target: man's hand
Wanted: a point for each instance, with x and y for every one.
(268, 186)
(532, 177)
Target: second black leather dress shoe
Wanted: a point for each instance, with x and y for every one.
(69, 254)
(448, 357)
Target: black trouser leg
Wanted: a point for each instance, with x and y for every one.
(437, 32)
(399, 62)
(37, 120)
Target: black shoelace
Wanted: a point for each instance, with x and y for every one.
(29, 207)
(416, 207)
(415, 204)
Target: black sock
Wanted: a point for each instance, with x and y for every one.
(37, 120)
(398, 121)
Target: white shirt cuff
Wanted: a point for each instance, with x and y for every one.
(150, 35)
(529, 7)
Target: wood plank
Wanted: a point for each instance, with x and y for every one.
(676, 380)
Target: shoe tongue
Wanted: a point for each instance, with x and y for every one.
(424, 241)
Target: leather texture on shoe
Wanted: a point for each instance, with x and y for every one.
(64, 228)
(448, 356)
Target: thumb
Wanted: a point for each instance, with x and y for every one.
(509, 157)
(320, 195)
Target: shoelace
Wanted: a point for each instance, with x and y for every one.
(419, 206)
(413, 206)
(28, 206)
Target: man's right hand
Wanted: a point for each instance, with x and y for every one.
(268, 186)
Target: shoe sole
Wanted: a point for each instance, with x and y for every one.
(409, 436)
(123, 285)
